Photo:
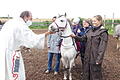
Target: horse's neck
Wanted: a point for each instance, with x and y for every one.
(67, 41)
(67, 31)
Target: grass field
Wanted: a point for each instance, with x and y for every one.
(44, 25)
(40, 25)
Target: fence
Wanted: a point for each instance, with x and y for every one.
(110, 24)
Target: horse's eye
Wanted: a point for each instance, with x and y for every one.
(62, 20)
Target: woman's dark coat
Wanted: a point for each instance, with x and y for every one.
(96, 43)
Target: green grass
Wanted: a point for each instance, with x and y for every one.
(38, 27)
(110, 29)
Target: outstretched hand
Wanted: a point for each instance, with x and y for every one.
(49, 32)
(72, 35)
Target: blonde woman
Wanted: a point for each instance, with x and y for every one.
(96, 42)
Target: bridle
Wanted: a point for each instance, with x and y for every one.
(64, 27)
(61, 27)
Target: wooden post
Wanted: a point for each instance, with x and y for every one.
(8, 16)
(104, 20)
(113, 21)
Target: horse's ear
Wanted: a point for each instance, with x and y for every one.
(58, 15)
(65, 14)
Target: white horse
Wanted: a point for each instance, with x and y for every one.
(68, 47)
(117, 35)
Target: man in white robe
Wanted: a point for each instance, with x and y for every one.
(16, 33)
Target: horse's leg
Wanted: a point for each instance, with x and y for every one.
(70, 69)
(65, 74)
(65, 65)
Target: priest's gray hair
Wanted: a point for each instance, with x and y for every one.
(25, 14)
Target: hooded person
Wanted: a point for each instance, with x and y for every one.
(76, 21)
(16, 33)
(76, 30)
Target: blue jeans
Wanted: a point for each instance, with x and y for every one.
(50, 57)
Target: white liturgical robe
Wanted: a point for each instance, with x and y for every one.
(16, 33)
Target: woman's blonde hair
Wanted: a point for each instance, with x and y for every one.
(99, 18)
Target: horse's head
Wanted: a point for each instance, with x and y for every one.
(59, 24)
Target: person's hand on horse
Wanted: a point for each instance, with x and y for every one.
(49, 32)
(98, 62)
(72, 35)
(48, 48)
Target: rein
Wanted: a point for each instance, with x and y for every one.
(72, 41)
(64, 36)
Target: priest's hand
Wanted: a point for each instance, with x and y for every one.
(49, 32)
(72, 35)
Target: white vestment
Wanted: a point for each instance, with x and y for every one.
(16, 33)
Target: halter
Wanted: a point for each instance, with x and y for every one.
(60, 27)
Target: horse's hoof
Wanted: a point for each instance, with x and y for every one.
(70, 78)
(73, 64)
(65, 78)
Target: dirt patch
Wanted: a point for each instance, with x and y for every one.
(36, 64)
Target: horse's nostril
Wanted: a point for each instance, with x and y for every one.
(61, 20)
(61, 30)
(51, 27)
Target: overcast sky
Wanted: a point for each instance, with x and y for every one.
(50, 8)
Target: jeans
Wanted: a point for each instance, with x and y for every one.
(57, 65)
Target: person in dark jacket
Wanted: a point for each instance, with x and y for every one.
(96, 42)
